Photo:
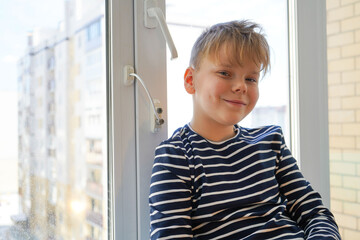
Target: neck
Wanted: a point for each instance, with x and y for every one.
(213, 132)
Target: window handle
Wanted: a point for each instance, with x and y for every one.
(156, 120)
(154, 15)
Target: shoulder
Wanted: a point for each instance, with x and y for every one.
(171, 155)
(270, 132)
(173, 147)
(172, 144)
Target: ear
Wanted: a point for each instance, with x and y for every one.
(189, 80)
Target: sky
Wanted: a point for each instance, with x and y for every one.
(17, 18)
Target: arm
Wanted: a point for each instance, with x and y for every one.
(304, 204)
(170, 194)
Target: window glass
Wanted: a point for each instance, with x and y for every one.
(53, 158)
(186, 24)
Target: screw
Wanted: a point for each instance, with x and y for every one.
(160, 121)
(159, 110)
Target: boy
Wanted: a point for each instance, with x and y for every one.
(216, 180)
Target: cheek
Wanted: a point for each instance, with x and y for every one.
(220, 88)
(214, 91)
(254, 95)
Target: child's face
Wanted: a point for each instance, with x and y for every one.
(223, 92)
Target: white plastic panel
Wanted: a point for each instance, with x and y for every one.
(150, 64)
(122, 151)
(313, 105)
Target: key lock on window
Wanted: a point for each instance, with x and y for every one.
(153, 16)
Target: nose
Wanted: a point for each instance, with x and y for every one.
(240, 86)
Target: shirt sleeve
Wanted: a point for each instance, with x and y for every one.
(304, 204)
(170, 194)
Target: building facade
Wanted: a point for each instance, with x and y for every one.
(62, 128)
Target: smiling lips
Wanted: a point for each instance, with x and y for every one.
(235, 102)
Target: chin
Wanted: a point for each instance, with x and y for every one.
(234, 119)
(231, 123)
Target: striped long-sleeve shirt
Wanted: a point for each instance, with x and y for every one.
(247, 187)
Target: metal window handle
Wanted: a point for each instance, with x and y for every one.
(153, 11)
(155, 120)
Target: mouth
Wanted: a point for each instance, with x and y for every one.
(235, 102)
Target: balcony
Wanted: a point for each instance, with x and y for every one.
(94, 190)
(20, 220)
(95, 159)
(95, 219)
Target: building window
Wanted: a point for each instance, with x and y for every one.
(93, 31)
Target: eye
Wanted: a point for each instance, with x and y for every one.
(224, 73)
(254, 80)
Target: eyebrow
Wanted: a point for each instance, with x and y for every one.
(229, 65)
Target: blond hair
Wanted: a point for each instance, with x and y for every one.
(241, 39)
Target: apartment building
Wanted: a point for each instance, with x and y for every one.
(62, 131)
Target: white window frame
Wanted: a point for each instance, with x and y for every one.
(121, 122)
(308, 87)
(131, 144)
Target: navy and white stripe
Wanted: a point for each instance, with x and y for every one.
(247, 187)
